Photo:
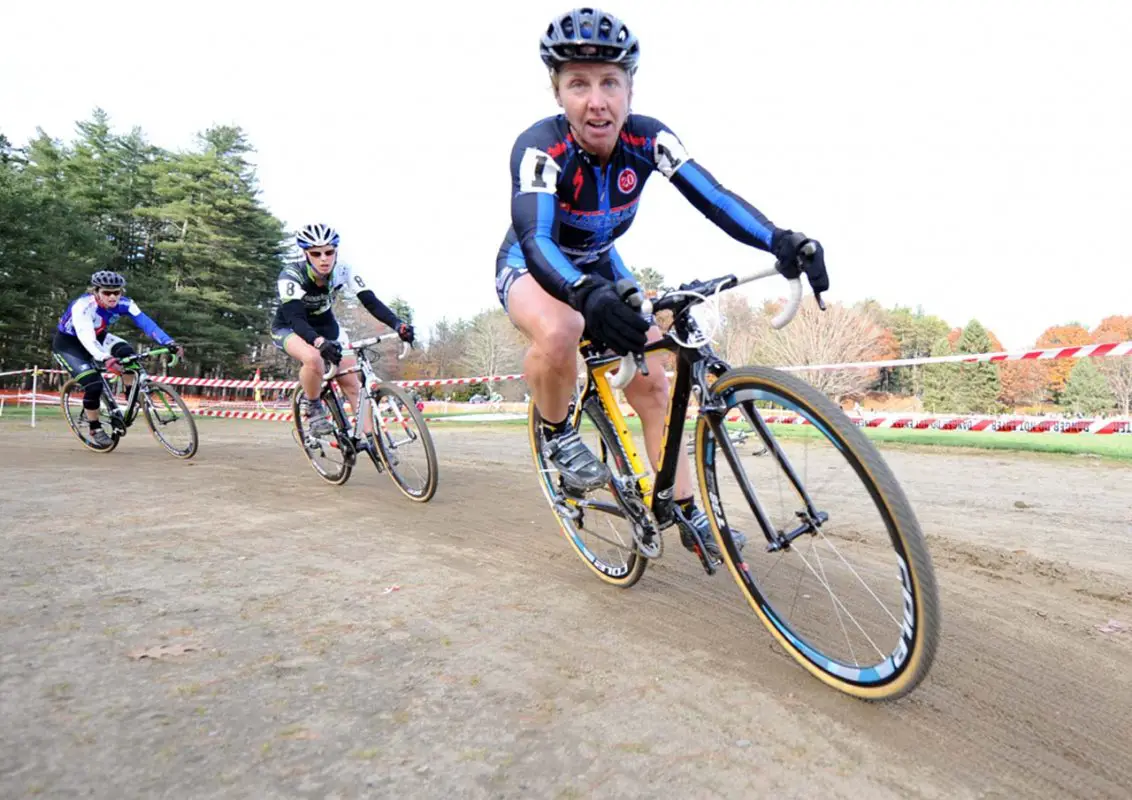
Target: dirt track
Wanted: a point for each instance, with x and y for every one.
(500, 667)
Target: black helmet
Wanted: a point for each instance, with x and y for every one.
(589, 34)
(105, 279)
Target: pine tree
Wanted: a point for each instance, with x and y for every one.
(400, 307)
(916, 333)
(188, 230)
(1086, 391)
(977, 385)
(219, 250)
(47, 253)
(650, 279)
(940, 380)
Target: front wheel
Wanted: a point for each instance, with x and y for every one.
(169, 419)
(404, 442)
(841, 575)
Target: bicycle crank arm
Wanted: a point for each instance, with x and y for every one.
(710, 566)
(645, 531)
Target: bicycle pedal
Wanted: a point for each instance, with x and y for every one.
(651, 550)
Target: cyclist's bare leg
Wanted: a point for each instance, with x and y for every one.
(648, 395)
(554, 330)
(551, 366)
(310, 375)
(351, 385)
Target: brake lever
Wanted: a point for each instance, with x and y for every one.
(808, 249)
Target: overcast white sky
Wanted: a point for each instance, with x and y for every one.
(974, 158)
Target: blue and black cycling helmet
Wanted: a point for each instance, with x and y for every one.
(105, 279)
(316, 235)
(589, 34)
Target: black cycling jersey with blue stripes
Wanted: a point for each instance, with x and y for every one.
(567, 210)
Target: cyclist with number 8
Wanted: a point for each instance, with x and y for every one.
(576, 181)
(304, 326)
(83, 343)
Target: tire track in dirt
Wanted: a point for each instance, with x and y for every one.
(1042, 693)
(1026, 697)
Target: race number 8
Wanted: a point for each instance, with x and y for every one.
(289, 289)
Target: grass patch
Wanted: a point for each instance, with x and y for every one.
(23, 412)
(1114, 446)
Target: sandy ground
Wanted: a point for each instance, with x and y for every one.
(500, 667)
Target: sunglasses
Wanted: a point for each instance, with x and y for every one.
(110, 292)
(321, 253)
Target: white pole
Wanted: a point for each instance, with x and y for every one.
(1, 405)
(34, 386)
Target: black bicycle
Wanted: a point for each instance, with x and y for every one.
(738, 436)
(388, 427)
(165, 412)
(840, 577)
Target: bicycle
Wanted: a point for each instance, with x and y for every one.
(159, 403)
(800, 583)
(388, 409)
(737, 437)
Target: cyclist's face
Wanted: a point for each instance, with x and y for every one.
(107, 298)
(323, 259)
(596, 99)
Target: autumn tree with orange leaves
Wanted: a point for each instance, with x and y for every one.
(1117, 371)
(1057, 371)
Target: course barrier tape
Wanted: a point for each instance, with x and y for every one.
(917, 422)
(229, 383)
(1002, 424)
(922, 422)
(1110, 349)
(268, 416)
(1075, 351)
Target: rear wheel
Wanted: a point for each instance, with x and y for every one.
(595, 526)
(71, 401)
(327, 455)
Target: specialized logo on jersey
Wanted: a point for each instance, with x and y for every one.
(627, 180)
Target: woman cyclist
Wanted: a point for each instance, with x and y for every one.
(576, 179)
(304, 327)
